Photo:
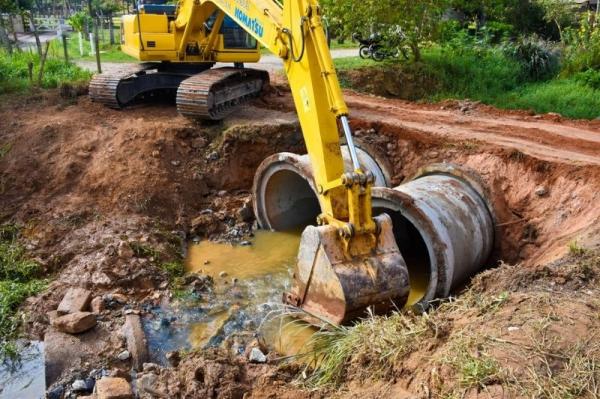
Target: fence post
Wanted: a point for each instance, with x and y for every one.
(65, 47)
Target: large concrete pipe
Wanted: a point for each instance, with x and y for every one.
(444, 227)
(284, 192)
(443, 223)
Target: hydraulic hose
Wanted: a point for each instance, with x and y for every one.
(291, 39)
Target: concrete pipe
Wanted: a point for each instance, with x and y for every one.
(443, 222)
(444, 228)
(285, 197)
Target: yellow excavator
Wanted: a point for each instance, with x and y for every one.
(348, 262)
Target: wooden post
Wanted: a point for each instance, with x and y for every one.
(65, 47)
(95, 18)
(30, 70)
(42, 64)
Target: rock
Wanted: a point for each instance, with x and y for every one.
(97, 305)
(123, 355)
(222, 193)
(124, 251)
(541, 191)
(245, 213)
(175, 163)
(116, 297)
(246, 243)
(213, 156)
(55, 393)
(198, 143)
(150, 367)
(113, 388)
(75, 323)
(554, 115)
(53, 314)
(173, 358)
(136, 340)
(90, 384)
(234, 281)
(75, 300)
(256, 356)
(155, 154)
(79, 386)
(223, 274)
(146, 382)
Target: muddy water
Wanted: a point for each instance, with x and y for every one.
(248, 283)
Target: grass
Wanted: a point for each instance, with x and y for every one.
(492, 78)
(18, 281)
(373, 345)
(14, 74)
(108, 52)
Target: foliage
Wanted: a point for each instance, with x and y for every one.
(583, 45)
(590, 78)
(417, 20)
(17, 282)
(79, 21)
(539, 58)
(560, 12)
(14, 74)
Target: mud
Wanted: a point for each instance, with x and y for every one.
(107, 197)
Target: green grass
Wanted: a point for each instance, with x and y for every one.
(492, 78)
(14, 75)
(568, 97)
(18, 281)
(108, 52)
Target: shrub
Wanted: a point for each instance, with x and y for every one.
(590, 78)
(539, 59)
(582, 46)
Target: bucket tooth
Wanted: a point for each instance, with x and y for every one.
(337, 287)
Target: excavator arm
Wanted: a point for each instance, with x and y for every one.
(351, 261)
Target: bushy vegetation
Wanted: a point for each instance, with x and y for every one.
(14, 72)
(18, 280)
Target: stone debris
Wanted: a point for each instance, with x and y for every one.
(123, 355)
(256, 356)
(113, 388)
(75, 300)
(136, 340)
(79, 385)
(541, 191)
(75, 323)
(173, 358)
(97, 305)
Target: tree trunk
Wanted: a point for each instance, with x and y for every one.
(416, 50)
(14, 30)
(42, 65)
(80, 36)
(4, 36)
(96, 44)
(33, 28)
(111, 29)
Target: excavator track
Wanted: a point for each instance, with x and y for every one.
(104, 88)
(216, 93)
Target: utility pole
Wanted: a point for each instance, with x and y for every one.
(96, 44)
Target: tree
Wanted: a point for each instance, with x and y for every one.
(560, 12)
(418, 20)
(78, 22)
(108, 8)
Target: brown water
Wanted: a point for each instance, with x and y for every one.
(270, 253)
(247, 279)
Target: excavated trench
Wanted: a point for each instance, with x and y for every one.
(457, 208)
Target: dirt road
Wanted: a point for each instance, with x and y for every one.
(268, 62)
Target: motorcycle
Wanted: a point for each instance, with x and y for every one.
(364, 50)
(378, 49)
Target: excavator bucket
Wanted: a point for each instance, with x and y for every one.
(336, 281)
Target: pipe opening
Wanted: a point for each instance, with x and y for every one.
(290, 201)
(414, 251)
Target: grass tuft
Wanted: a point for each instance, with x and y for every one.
(18, 281)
